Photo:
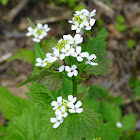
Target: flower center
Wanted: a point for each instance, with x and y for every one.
(39, 31)
(78, 19)
(61, 44)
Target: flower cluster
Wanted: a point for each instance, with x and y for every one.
(68, 46)
(39, 32)
(82, 20)
(62, 107)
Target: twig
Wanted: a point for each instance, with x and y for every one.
(13, 34)
(5, 57)
(109, 12)
(66, 15)
(14, 12)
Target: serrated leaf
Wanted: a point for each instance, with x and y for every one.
(10, 105)
(111, 113)
(39, 53)
(74, 127)
(23, 54)
(46, 77)
(97, 46)
(128, 122)
(40, 95)
(26, 127)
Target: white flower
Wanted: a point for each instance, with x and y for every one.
(67, 50)
(71, 71)
(61, 68)
(55, 56)
(57, 103)
(41, 62)
(78, 54)
(61, 113)
(73, 41)
(119, 125)
(75, 108)
(82, 20)
(90, 59)
(72, 99)
(39, 32)
(31, 30)
(56, 121)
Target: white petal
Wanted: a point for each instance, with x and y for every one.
(79, 110)
(61, 120)
(72, 111)
(78, 104)
(39, 60)
(78, 30)
(48, 54)
(75, 72)
(85, 22)
(30, 29)
(67, 68)
(63, 108)
(73, 27)
(70, 97)
(65, 114)
(92, 22)
(88, 28)
(79, 58)
(28, 34)
(78, 49)
(93, 56)
(62, 56)
(67, 46)
(74, 54)
(59, 117)
(56, 124)
(59, 99)
(39, 25)
(36, 40)
(70, 74)
(70, 105)
(87, 62)
(61, 68)
(56, 52)
(73, 67)
(58, 112)
(85, 54)
(52, 59)
(93, 64)
(53, 120)
(38, 64)
(53, 103)
(44, 64)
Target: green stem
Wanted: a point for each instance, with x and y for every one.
(74, 86)
(87, 43)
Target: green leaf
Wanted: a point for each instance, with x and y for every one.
(40, 95)
(128, 122)
(74, 127)
(97, 46)
(48, 44)
(4, 2)
(67, 86)
(110, 132)
(39, 53)
(10, 105)
(46, 77)
(23, 54)
(111, 113)
(26, 127)
(120, 19)
(137, 93)
(120, 27)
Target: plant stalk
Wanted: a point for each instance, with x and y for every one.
(74, 86)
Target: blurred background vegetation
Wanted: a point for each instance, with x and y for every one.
(121, 18)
